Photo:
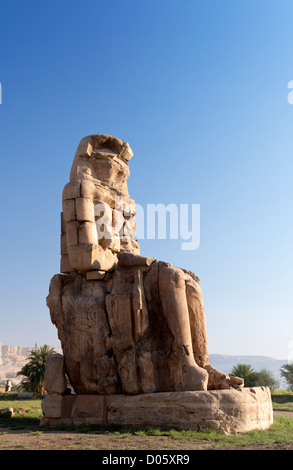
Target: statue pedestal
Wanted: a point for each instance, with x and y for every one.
(226, 411)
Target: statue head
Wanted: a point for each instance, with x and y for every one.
(103, 158)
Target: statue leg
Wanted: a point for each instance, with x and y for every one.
(174, 303)
(197, 322)
(217, 379)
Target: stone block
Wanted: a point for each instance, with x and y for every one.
(55, 380)
(90, 407)
(81, 257)
(86, 257)
(71, 190)
(52, 406)
(88, 233)
(65, 265)
(69, 210)
(72, 233)
(87, 189)
(85, 209)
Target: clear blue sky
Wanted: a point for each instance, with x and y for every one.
(199, 90)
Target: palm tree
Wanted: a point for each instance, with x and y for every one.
(34, 370)
(287, 373)
(246, 372)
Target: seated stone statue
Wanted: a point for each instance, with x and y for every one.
(127, 323)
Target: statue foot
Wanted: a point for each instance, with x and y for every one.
(218, 380)
(236, 382)
(194, 378)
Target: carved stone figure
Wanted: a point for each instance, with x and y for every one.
(97, 181)
(128, 324)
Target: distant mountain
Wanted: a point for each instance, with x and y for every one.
(13, 358)
(226, 364)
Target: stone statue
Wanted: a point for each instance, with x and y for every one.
(128, 324)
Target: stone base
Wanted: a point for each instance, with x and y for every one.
(226, 411)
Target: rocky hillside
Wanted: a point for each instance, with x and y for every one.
(12, 359)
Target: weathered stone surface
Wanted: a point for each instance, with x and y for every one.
(226, 411)
(97, 183)
(127, 332)
(89, 407)
(127, 323)
(55, 380)
(52, 406)
(65, 266)
(96, 275)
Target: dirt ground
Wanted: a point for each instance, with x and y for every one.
(36, 439)
(52, 440)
